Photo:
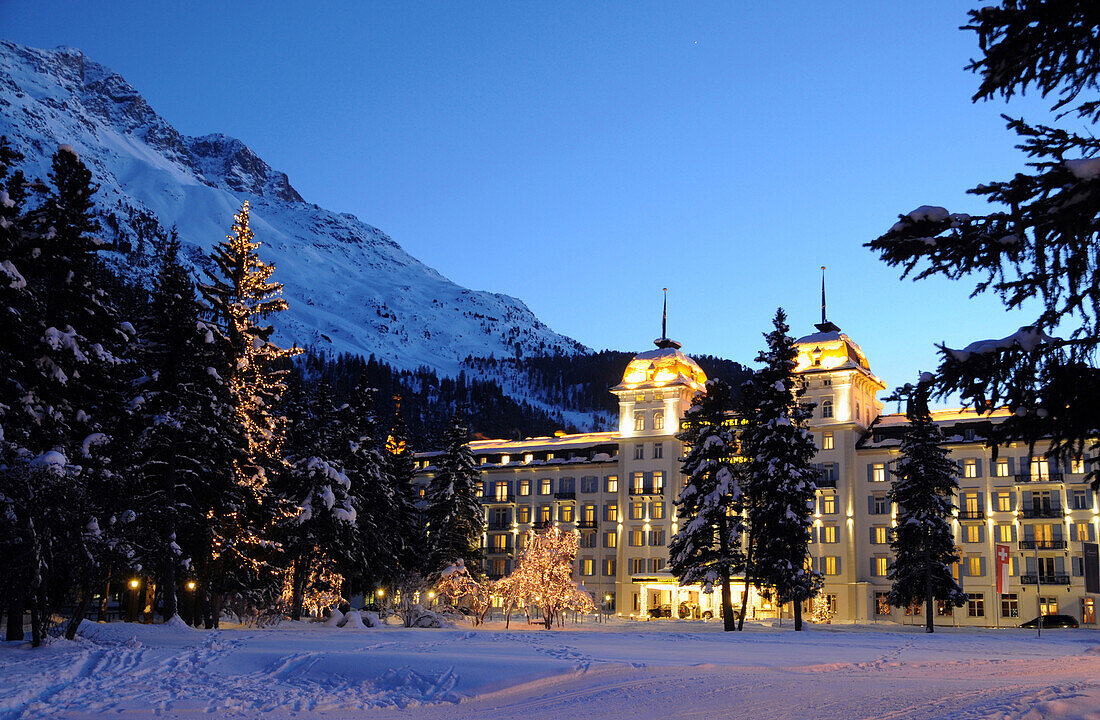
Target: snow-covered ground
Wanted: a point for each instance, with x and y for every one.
(617, 670)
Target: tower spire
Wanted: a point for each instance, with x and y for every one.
(825, 325)
(663, 341)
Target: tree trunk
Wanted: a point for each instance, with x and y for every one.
(168, 571)
(745, 595)
(101, 616)
(298, 587)
(147, 603)
(78, 616)
(168, 587)
(928, 626)
(17, 606)
(797, 614)
(36, 624)
(728, 623)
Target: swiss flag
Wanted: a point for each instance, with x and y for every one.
(1003, 565)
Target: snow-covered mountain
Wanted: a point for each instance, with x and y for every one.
(350, 287)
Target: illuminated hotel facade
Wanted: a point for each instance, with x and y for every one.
(617, 491)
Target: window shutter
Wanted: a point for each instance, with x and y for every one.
(1029, 565)
(872, 534)
(1027, 499)
(1029, 532)
(1092, 533)
(978, 467)
(1011, 466)
(1055, 500)
(1078, 566)
(1059, 565)
(838, 564)
(981, 533)
(870, 472)
(870, 504)
(981, 566)
(873, 568)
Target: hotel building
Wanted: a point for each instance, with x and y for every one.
(617, 491)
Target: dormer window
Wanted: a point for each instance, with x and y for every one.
(639, 421)
(815, 356)
(658, 420)
(827, 408)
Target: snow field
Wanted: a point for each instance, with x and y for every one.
(615, 670)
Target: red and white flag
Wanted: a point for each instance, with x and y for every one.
(1004, 562)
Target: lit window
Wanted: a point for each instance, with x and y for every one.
(973, 533)
(878, 472)
(658, 481)
(611, 512)
(524, 487)
(523, 513)
(1001, 469)
(974, 565)
(609, 567)
(528, 457)
(827, 441)
(545, 513)
(882, 605)
(880, 535)
(639, 421)
(878, 566)
(544, 486)
(1088, 611)
(637, 511)
(658, 420)
(637, 538)
(612, 483)
(658, 511)
(502, 491)
(828, 504)
(1004, 533)
(566, 513)
(588, 567)
(830, 565)
(827, 409)
(828, 534)
(970, 468)
(1077, 465)
(611, 539)
(505, 459)
(638, 485)
(1004, 501)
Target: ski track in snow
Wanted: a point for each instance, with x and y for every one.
(618, 670)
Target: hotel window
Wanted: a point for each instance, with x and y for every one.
(1048, 606)
(612, 482)
(637, 511)
(882, 605)
(1040, 470)
(590, 484)
(1005, 533)
(524, 487)
(830, 565)
(639, 452)
(544, 486)
(500, 543)
(828, 504)
(1004, 501)
(528, 457)
(565, 514)
(609, 567)
(637, 566)
(878, 504)
(827, 382)
(656, 538)
(505, 459)
(1077, 465)
(588, 566)
(975, 604)
(588, 540)
(658, 420)
(828, 534)
(1081, 499)
(827, 408)
(482, 460)
(943, 608)
(657, 511)
(637, 538)
(658, 451)
(970, 468)
(611, 539)
(1088, 611)
(611, 512)
(975, 565)
(827, 441)
(658, 481)
(502, 490)
(656, 564)
(879, 566)
(523, 514)
(639, 421)
(545, 514)
(588, 514)
(638, 483)
(878, 472)
(549, 456)
(880, 535)
(1001, 468)
(1083, 532)
(972, 533)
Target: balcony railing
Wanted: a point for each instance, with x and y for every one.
(498, 550)
(1045, 579)
(498, 497)
(587, 524)
(972, 515)
(543, 524)
(499, 525)
(1042, 512)
(824, 482)
(1040, 478)
(1042, 544)
(565, 495)
(646, 490)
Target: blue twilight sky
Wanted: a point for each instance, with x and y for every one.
(581, 156)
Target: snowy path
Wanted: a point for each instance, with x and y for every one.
(635, 670)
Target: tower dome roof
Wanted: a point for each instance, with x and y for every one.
(667, 365)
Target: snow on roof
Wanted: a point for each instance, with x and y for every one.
(661, 367)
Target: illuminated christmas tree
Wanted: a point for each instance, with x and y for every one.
(543, 577)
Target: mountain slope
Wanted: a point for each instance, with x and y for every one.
(350, 287)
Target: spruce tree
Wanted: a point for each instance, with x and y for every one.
(780, 452)
(707, 547)
(924, 485)
(241, 297)
(455, 518)
(398, 470)
(1038, 242)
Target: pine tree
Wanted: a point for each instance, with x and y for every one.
(1037, 244)
(779, 451)
(455, 519)
(924, 485)
(707, 547)
(241, 296)
(398, 469)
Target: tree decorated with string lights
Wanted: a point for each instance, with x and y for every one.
(543, 577)
(242, 297)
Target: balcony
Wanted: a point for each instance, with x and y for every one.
(498, 497)
(565, 495)
(498, 550)
(587, 524)
(647, 490)
(823, 482)
(971, 515)
(1047, 478)
(499, 525)
(1042, 512)
(1042, 544)
(1045, 579)
(543, 524)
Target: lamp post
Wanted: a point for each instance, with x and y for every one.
(134, 585)
(191, 603)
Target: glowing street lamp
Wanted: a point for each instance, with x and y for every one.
(134, 585)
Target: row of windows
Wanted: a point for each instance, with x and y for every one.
(1037, 469)
(975, 606)
(608, 566)
(657, 423)
(638, 510)
(657, 453)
